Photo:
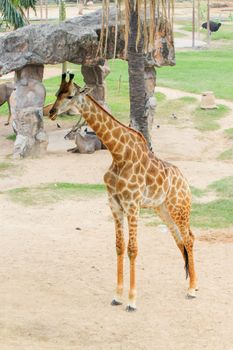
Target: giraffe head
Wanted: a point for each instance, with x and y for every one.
(65, 94)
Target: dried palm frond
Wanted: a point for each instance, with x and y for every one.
(150, 13)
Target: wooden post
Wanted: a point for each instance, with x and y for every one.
(193, 25)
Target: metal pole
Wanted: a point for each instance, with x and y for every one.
(208, 23)
(62, 17)
(193, 25)
(198, 18)
(46, 10)
(41, 9)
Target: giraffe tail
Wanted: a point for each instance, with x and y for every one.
(186, 262)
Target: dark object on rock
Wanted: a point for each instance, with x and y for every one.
(174, 116)
(214, 27)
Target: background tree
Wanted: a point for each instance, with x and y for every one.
(143, 19)
(13, 11)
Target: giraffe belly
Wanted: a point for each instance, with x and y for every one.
(152, 202)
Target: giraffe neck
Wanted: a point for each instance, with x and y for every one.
(115, 136)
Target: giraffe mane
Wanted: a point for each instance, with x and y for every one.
(125, 126)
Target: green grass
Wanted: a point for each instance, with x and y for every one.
(225, 32)
(181, 107)
(186, 26)
(197, 192)
(226, 155)
(199, 71)
(4, 110)
(196, 71)
(117, 95)
(53, 192)
(207, 119)
(188, 107)
(215, 214)
(229, 133)
(179, 35)
(11, 137)
(160, 97)
(223, 187)
(5, 166)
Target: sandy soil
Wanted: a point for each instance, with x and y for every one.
(56, 282)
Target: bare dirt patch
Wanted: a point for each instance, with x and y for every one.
(217, 237)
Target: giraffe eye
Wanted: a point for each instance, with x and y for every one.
(70, 97)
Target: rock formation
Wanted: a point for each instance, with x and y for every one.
(27, 49)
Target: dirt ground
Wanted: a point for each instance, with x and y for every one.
(56, 282)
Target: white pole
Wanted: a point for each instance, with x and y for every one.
(193, 25)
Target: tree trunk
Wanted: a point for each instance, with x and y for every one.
(136, 67)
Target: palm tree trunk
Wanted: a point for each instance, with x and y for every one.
(136, 67)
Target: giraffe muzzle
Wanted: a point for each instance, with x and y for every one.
(53, 114)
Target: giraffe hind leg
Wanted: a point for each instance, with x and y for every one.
(184, 243)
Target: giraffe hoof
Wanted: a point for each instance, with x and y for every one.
(6, 123)
(130, 308)
(191, 294)
(114, 302)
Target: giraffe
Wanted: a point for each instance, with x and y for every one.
(135, 179)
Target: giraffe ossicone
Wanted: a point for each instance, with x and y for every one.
(136, 179)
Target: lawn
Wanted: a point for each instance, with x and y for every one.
(195, 71)
(225, 32)
(117, 93)
(217, 213)
(199, 71)
(53, 192)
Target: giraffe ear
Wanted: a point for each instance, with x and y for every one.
(71, 76)
(63, 77)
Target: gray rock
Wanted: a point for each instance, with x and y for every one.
(75, 40)
(27, 101)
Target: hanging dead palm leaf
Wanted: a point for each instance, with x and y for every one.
(152, 16)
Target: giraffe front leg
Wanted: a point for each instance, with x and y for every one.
(132, 254)
(120, 248)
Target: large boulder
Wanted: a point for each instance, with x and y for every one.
(75, 40)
